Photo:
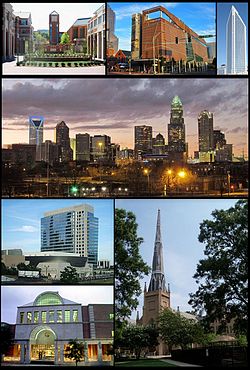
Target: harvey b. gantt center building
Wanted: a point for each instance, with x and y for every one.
(45, 326)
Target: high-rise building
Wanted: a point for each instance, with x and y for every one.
(83, 147)
(157, 296)
(73, 230)
(54, 32)
(112, 40)
(73, 146)
(205, 131)
(62, 139)
(177, 147)
(159, 144)
(100, 147)
(143, 140)
(236, 47)
(219, 139)
(136, 34)
(48, 152)
(36, 130)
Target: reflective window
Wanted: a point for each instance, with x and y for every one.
(59, 316)
(29, 317)
(21, 317)
(67, 316)
(75, 315)
(48, 299)
(36, 316)
(44, 316)
(51, 316)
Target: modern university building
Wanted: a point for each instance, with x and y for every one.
(45, 326)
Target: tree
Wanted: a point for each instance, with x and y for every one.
(223, 274)
(177, 330)
(129, 265)
(7, 338)
(137, 338)
(65, 38)
(23, 267)
(75, 350)
(69, 275)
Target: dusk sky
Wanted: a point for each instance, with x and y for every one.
(21, 222)
(115, 106)
(223, 12)
(198, 16)
(180, 221)
(14, 296)
(68, 13)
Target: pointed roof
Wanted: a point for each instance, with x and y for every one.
(176, 101)
(54, 13)
(157, 281)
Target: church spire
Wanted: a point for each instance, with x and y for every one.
(157, 281)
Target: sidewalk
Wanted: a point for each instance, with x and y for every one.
(10, 68)
(178, 363)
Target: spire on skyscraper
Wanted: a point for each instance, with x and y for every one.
(157, 281)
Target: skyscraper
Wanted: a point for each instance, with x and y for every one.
(205, 131)
(83, 147)
(236, 44)
(136, 34)
(177, 147)
(143, 140)
(36, 130)
(157, 296)
(72, 230)
(62, 139)
(54, 28)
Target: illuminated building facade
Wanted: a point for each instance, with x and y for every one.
(36, 130)
(45, 326)
(71, 230)
(177, 147)
(205, 131)
(143, 140)
(62, 139)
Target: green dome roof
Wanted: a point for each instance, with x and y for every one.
(176, 101)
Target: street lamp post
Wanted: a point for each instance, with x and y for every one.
(146, 172)
(228, 182)
(100, 147)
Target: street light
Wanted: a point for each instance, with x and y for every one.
(146, 172)
(228, 181)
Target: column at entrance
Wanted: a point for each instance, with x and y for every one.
(86, 357)
(99, 349)
(22, 355)
(61, 352)
(56, 352)
(27, 353)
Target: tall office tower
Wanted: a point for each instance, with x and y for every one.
(157, 296)
(54, 28)
(136, 36)
(112, 39)
(236, 47)
(143, 140)
(72, 230)
(177, 147)
(100, 147)
(36, 130)
(73, 146)
(83, 147)
(219, 139)
(62, 139)
(159, 144)
(205, 131)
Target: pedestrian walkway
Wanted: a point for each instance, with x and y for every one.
(178, 363)
(10, 68)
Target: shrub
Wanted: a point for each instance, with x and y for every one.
(44, 64)
(50, 64)
(69, 64)
(81, 64)
(63, 64)
(76, 64)
(40, 64)
(56, 64)
(18, 64)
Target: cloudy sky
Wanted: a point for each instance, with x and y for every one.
(21, 222)
(198, 16)
(12, 297)
(68, 13)
(114, 106)
(180, 221)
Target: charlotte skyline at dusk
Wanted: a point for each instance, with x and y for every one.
(113, 107)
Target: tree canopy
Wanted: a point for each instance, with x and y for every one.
(75, 350)
(65, 39)
(223, 274)
(69, 275)
(129, 265)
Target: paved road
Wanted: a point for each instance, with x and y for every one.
(10, 68)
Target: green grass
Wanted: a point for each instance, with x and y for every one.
(144, 363)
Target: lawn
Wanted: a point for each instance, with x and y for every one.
(144, 363)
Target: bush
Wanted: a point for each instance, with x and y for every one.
(56, 64)
(18, 64)
(81, 64)
(63, 64)
(76, 64)
(40, 64)
(44, 64)
(69, 64)
(50, 64)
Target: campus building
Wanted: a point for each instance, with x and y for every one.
(157, 33)
(45, 326)
(112, 40)
(54, 33)
(8, 32)
(96, 34)
(78, 34)
(236, 48)
(23, 33)
(71, 230)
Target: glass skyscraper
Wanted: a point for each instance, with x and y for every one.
(236, 44)
(36, 130)
(72, 230)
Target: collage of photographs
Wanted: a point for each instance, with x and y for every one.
(124, 205)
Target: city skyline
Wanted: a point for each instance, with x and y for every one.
(223, 11)
(198, 16)
(140, 102)
(24, 232)
(68, 13)
(20, 295)
(181, 248)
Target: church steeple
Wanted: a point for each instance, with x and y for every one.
(157, 281)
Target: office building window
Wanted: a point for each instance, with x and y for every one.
(75, 315)
(67, 316)
(29, 317)
(51, 316)
(59, 316)
(21, 317)
(36, 316)
(44, 316)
